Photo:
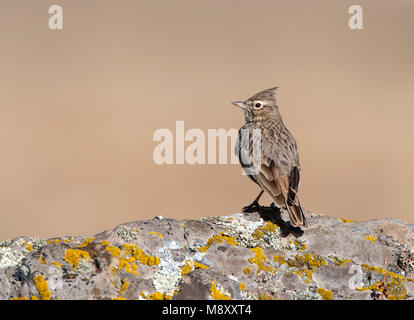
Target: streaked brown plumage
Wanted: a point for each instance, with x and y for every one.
(278, 169)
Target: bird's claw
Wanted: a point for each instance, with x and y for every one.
(253, 207)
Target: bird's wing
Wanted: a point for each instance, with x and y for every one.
(297, 217)
(280, 174)
(242, 150)
(256, 162)
(279, 154)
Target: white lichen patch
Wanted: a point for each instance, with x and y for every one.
(173, 244)
(249, 295)
(126, 233)
(244, 232)
(309, 295)
(9, 257)
(313, 215)
(37, 243)
(238, 221)
(85, 266)
(5, 243)
(168, 275)
(32, 243)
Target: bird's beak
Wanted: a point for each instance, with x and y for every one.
(240, 104)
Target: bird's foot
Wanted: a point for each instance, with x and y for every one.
(253, 207)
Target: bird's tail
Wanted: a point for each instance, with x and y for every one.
(297, 217)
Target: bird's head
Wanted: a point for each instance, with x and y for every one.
(261, 106)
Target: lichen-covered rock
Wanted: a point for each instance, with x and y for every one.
(241, 256)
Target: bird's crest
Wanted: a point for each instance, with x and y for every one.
(268, 94)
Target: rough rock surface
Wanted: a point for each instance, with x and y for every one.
(242, 256)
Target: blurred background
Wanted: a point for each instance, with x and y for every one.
(79, 106)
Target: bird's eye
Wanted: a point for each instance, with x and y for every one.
(258, 105)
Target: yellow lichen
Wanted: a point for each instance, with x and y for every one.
(155, 296)
(128, 255)
(54, 241)
(347, 220)
(386, 273)
(57, 264)
(74, 256)
(298, 245)
(158, 234)
(257, 234)
(42, 287)
(395, 285)
(270, 227)
(375, 286)
(198, 265)
(260, 260)
(341, 262)
(260, 231)
(203, 249)
(370, 238)
(242, 286)
(219, 239)
(124, 286)
(264, 297)
(325, 294)
(152, 261)
(137, 254)
(305, 273)
(29, 246)
(123, 264)
(312, 261)
(186, 268)
(190, 266)
(395, 289)
(247, 270)
(114, 251)
(306, 264)
(105, 243)
(216, 293)
(25, 298)
(383, 272)
(86, 242)
(279, 259)
(43, 261)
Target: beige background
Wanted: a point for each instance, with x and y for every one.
(78, 107)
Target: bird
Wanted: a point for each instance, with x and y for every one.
(268, 154)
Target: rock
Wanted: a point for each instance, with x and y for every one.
(241, 256)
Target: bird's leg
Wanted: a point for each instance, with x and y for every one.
(254, 205)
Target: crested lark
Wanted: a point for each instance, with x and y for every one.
(277, 171)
